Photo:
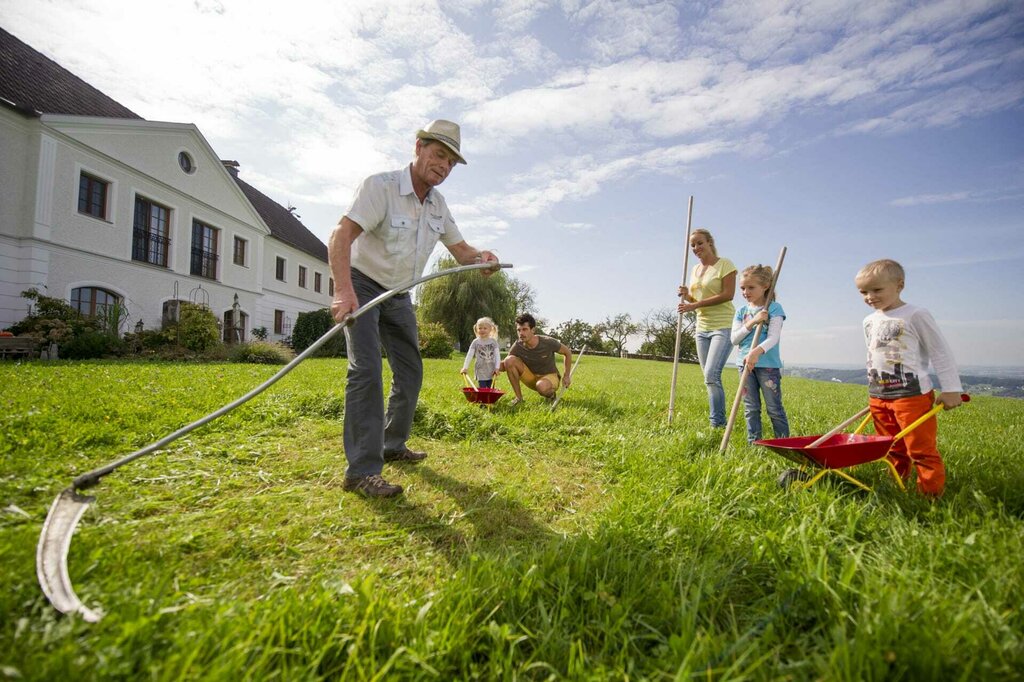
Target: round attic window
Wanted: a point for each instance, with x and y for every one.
(185, 161)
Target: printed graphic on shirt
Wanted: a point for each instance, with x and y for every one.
(887, 377)
(487, 355)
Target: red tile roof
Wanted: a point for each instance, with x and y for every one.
(282, 223)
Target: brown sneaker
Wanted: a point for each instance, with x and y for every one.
(405, 455)
(371, 486)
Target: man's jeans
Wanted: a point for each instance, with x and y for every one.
(369, 432)
(766, 381)
(713, 348)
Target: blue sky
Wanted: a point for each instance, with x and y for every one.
(845, 131)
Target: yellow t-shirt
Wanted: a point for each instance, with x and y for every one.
(709, 284)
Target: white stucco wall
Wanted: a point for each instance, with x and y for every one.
(151, 148)
(46, 243)
(288, 295)
(18, 165)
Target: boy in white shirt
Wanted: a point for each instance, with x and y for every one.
(902, 340)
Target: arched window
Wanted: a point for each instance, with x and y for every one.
(93, 301)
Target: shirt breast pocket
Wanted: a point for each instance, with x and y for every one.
(401, 229)
(436, 224)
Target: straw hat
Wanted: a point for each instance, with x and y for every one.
(445, 132)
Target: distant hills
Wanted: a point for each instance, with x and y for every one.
(1000, 383)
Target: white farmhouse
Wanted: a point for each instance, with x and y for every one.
(98, 205)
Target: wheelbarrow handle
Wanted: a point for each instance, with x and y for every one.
(926, 416)
(839, 428)
(469, 382)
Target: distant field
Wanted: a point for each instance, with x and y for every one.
(996, 382)
(595, 542)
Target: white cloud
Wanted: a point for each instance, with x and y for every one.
(618, 30)
(532, 193)
(576, 228)
(920, 199)
(310, 102)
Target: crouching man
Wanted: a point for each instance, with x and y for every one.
(531, 361)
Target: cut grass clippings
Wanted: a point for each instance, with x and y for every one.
(594, 542)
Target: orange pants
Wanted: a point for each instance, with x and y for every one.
(919, 447)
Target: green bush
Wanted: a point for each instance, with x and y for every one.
(262, 353)
(197, 328)
(435, 342)
(54, 321)
(311, 326)
(92, 344)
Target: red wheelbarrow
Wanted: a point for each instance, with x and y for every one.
(834, 451)
(481, 396)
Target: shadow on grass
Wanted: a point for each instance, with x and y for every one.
(499, 524)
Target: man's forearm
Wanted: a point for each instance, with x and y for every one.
(339, 254)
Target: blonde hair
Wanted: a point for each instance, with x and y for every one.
(707, 235)
(487, 321)
(762, 274)
(885, 267)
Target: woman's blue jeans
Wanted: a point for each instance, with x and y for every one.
(713, 348)
(766, 381)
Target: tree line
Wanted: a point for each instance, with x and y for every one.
(456, 302)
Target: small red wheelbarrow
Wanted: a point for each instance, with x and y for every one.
(835, 451)
(481, 396)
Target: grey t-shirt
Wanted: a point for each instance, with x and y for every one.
(541, 358)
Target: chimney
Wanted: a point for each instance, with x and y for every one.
(232, 167)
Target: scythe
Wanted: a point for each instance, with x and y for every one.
(68, 507)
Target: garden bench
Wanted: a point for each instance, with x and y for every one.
(15, 346)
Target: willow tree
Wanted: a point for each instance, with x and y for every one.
(458, 301)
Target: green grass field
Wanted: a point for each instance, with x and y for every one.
(595, 542)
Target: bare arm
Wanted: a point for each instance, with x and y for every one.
(468, 255)
(339, 254)
(566, 352)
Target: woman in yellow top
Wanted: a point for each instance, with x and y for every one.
(712, 287)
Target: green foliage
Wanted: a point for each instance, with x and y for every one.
(592, 543)
(53, 320)
(260, 333)
(197, 328)
(261, 352)
(659, 329)
(458, 301)
(435, 342)
(309, 327)
(616, 330)
(90, 344)
(576, 334)
(525, 301)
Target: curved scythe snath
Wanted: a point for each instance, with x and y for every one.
(69, 505)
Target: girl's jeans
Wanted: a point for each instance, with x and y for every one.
(713, 348)
(765, 381)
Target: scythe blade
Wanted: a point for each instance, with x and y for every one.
(52, 554)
